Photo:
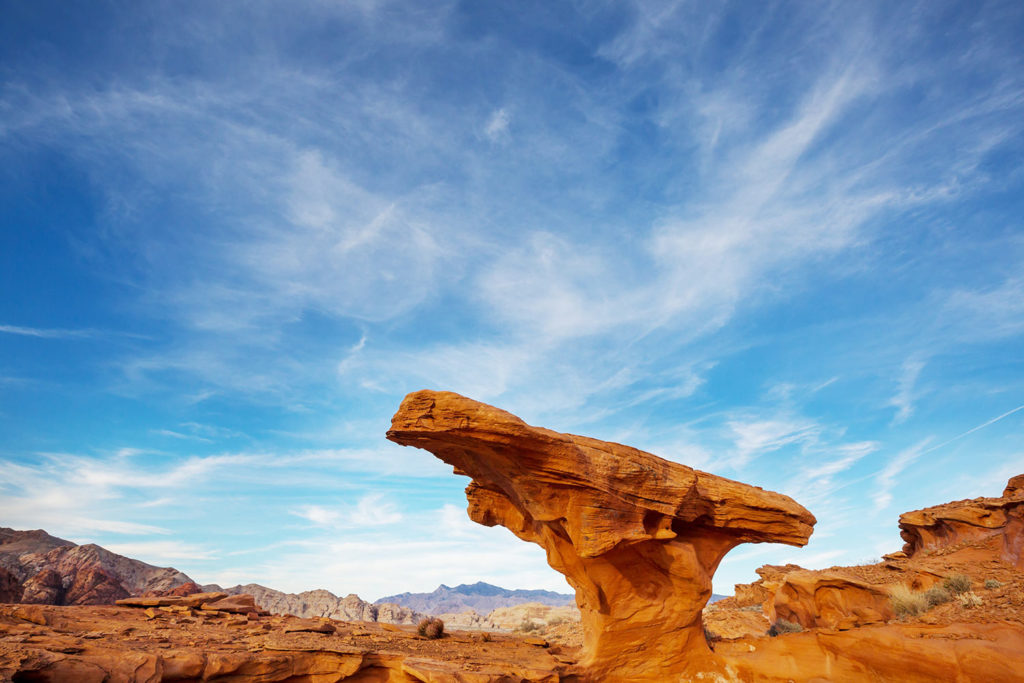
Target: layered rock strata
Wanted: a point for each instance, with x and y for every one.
(969, 521)
(38, 568)
(636, 536)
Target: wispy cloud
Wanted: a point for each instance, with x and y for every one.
(45, 333)
(886, 479)
(904, 398)
(372, 510)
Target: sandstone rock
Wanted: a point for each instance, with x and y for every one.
(188, 588)
(638, 537)
(944, 526)
(309, 626)
(829, 600)
(235, 604)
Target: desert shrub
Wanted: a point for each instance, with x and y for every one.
(782, 626)
(485, 637)
(528, 626)
(431, 627)
(555, 621)
(906, 602)
(957, 583)
(969, 599)
(992, 584)
(937, 595)
(751, 608)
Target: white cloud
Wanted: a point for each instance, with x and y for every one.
(757, 437)
(886, 479)
(162, 553)
(497, 125)
(904, 398)
(372, 510)
(45, 333)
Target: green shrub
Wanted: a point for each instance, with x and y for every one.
(783, 626)
(957, 583)
(969, 599)
(937, 595)
(907, 602)
(431, 627)
(992, 584)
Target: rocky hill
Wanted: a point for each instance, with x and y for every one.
(36, 567)
(480, 597)
(322, 603)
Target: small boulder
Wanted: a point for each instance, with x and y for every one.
(242, 603)
(309, 626)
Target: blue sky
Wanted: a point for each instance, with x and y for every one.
(779, 242)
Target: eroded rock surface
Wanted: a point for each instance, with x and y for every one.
(970, 521)
(638, 537)
(93, 644)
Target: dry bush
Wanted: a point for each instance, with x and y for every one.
(957, 583)
(937, 595)
(485, 637)
(783, 626)
(906, 602)
(992, 584)
(432, 628)
(528, 626)
(970, 599)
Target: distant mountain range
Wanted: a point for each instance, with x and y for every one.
(36, 567)
(323, 603)
(480, 597)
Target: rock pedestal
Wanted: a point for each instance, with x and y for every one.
(636, 536)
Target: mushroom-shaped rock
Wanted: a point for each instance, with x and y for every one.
(637, 537)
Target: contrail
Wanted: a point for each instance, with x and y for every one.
(974, 429)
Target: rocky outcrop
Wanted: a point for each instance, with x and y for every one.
(52, 571)
(480, 597)
(45, 587)
(10, 587)
(638, 537)
(829, 600)
(322, 603)
(1000, 520)
(982, 653)
(763, 590)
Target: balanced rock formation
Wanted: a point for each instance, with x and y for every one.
(636, 536)
(997, 520)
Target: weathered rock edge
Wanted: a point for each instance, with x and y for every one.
(638, 537)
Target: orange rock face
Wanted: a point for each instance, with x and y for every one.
(829, 600)
(971, 521)
(638, 537)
